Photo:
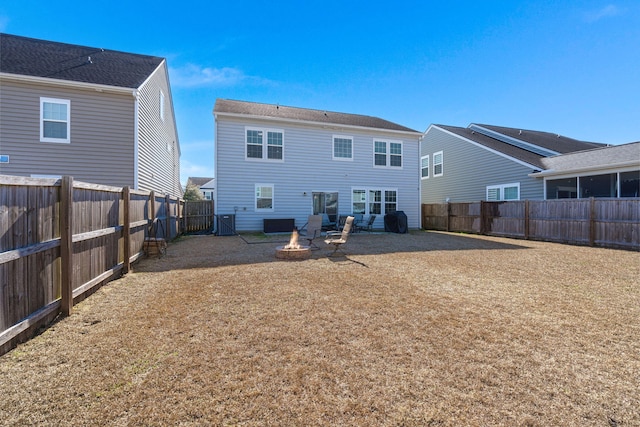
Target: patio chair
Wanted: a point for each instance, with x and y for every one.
(312, 230)
(341, 220)
(357, 222)
(327, 224)
(337, 239)
(369, 224)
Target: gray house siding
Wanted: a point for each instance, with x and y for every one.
(102, 129)
(158, 155)
(308, 167)
(469, 168)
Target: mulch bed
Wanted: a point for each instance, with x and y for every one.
(420, 329)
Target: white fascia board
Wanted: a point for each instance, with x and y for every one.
(602, 169)
(67, 83)
(513, 159)
(334, 126)
(151, 74)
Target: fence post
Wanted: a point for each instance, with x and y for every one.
(592, 221)
(126, 228)
(152, 211)
(448, 216)
(66, 245)
(526, 219)
(167, 208)
(181, 224)
(482, 218)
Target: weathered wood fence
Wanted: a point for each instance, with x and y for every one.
(613, 223)
(60, 240)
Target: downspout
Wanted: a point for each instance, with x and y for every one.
(214, 195)
(136, 125)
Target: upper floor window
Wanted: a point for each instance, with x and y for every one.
(54, 120)
(438, 162)
(387, 153)
(266, 144)
(424, 167)
(503, 192)
(342, 148)
(161, 106)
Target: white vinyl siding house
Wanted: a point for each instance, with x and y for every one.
(313, 173)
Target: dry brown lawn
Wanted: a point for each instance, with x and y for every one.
(425, 329)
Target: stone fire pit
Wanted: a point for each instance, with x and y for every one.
(293, 250)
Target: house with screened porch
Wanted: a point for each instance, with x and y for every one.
(277, 165)
(494, 163)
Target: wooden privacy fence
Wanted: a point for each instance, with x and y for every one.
(60, 239)
(613, 223)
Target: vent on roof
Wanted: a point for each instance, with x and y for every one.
(513, 141)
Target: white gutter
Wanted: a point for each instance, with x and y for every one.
(136, 126)
(66, 83)
(314, 123)
(613, 167)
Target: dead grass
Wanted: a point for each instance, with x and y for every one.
(426, 329)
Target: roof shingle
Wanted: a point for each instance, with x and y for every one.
(306, 115)
(41, 58)
(546, 140)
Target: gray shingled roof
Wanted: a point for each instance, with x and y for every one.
(548, 140)
(198, 181)
(305, 115)
(41, 58)
(544, 139)
(599, 157)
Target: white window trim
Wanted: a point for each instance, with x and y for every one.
(367, 201)
(161, 106)
(333, 148)
(441, 163)
(67, 102)
(255, 201)
(265, 144)
(388, 153)
(501, 187)
(425, 167)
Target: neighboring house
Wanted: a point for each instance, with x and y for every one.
(205, 185)
(99, 115)
(485, 162)
(276, 162)
(602, 172)
(208, 189)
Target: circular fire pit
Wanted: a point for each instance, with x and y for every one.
(301, 252)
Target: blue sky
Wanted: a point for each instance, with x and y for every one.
(570, 67)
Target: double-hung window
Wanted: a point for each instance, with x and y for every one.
(342, 147)
(438, 162)
(374, 201)
(264, 197)
(503, 192)
(387, 154)
(264, 144)
(55, 123)
(424, 167)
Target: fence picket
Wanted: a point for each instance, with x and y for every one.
(59, 239)
(611, 223)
